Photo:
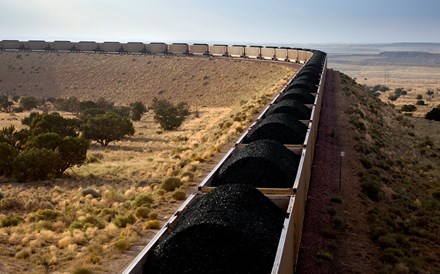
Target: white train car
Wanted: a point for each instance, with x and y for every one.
(281, 54)
(292, 55)
(157, 48)
(178, 48)
(134, 47)
(218, 50)
(199, 49)
(302, 56)
(253, 52)
(268, 53)
(237, 51)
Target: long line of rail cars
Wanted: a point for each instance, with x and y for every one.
(247, 214)
(288, 54)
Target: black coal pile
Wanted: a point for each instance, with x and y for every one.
(283, 127)
(264, 163)
(233, 229)
(291, 106)
(302, 83)
(301, 94)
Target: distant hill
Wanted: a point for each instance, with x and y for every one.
(390, 58)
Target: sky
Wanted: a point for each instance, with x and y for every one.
(227, 21)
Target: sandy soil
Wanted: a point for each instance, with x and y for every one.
(128, 78)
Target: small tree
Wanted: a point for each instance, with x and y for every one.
(73, 152)
(7, 155)
(53, 122)
(70, 104)
(137, 109)
(408, 108)
(35, 164)
(5, 104)
(13, 137)
(168, 115)
(419, 96)
(420, 103)
(28, 102)
(108, 127)
(434, 114)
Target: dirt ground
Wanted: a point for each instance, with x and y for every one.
(352, 251)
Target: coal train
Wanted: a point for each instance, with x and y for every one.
(288, 54)
(247, 214)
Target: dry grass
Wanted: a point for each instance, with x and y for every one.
(84, 218)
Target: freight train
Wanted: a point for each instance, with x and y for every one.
(297, 55)
(227, 228)
(247, 214)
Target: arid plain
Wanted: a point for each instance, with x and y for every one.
(224, 96)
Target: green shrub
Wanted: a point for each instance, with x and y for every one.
(89, 221)
(366, 162)
(108, 214)
(179, 194)
(82, 270)
(142, 212)
(90, 191)
(168, 115)
(420, 103)
(142, 200)
(45, 214)
(419, 96)
(28, 102)
(35, 164)
(433, 114)
(122, 245)
(123, 221)
(10, 204)
(387, 241)
(171, 184)
(11, 221)
(324, 255)
(408, 108)
(371, 185)
(153, 215)
(391, 255)
(7, 155)
(151, 224)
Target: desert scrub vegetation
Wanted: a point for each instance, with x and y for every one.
(96, 203)
(397, 181)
